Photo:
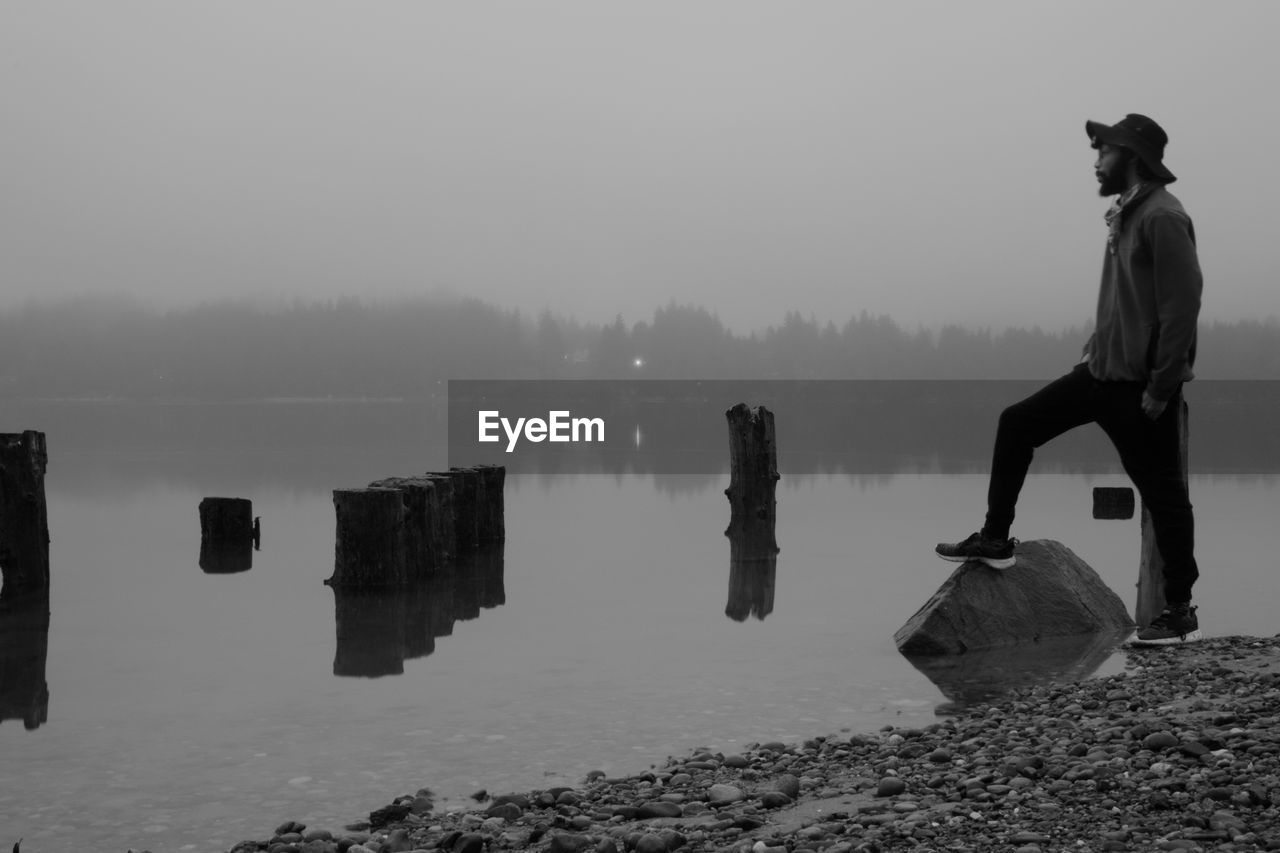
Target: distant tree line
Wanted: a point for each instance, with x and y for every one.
(349, 348)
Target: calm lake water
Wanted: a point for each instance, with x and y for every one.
(187, 711)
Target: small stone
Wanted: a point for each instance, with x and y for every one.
(564, 842)
(397, 842)
(1028, 838)
(509, 812)
(1159, 740)
(789, 785)
(890, 786)
(651, 810)
(774, 800)
(469, 842)
(723, 795)
(650, 843)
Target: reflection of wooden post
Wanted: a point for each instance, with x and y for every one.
(24, 518)
(1151, 573)
(753, 462)
(369, 543)
(227, 535)
(370, 627)
(24, 649)
(753, 567)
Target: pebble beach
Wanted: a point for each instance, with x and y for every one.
(1181, 751)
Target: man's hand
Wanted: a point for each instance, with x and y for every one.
(1152, 407)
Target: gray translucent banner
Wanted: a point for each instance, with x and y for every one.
(679, 427)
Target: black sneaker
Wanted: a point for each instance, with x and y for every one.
(996, 553)
(1177, 623)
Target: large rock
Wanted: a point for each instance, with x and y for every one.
(1050, 592)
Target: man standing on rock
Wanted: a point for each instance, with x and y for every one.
(1129, 381)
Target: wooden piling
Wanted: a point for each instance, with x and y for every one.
(24, 517)
(753, 461)
(491, 523)
(228, 534)
(369, 545)
(1113, 503)
(402, 530)
(443, 538)
(466, 501)
(752, 493)
(1151, 573)
(421, 524)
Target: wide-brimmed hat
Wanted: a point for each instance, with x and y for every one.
(1140, 135)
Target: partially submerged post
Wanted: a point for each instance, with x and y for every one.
(1113, 503)
(24, 518)
(421, 506)
(466, 502)
(753, 462)
(753, 481)
(402, 530)
(369, 543)
(1151, 574)
(228, 535)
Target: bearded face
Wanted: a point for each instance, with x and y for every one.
(1112, 169)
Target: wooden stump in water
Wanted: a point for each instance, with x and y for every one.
(753, 462)
(420, 507)
(466, 501)
(24, 517)
(1151, 573)
(227, 535)
(369, 545)
(443, 537)
(1114, 503)
(491, 525)
(752, 492)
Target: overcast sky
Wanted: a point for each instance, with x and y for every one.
(925, 160)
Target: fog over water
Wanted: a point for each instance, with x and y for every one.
(925, 160)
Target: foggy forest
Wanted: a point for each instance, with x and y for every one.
(113, 347)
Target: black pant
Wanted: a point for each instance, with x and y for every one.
(1149, 452)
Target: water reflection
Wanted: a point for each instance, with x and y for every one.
(753, 565)
(379, 629)
(983, 676)
(24, 649)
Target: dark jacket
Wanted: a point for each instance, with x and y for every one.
(1149, 300)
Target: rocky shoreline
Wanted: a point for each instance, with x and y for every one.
(1179, 752)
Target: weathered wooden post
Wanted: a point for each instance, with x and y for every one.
(753, 462)
(443, 536)
(1151, 574)
(422, 554)
(228, 535)
(369, 545)
(24, 518)
(752, 493)
(491, 525)
(1113, 503)
(466, 499)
